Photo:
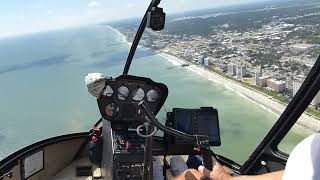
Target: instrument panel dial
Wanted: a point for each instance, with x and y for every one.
(119, 101)
(123, 93)
(138, 94)
(108, 91)
(111, 110)
(152, 95)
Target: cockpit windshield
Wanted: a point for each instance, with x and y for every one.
(246, 58)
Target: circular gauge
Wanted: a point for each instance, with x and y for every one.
(152, 95)
(111, 110)
(123, 93)
(138, 94)
(108, 91)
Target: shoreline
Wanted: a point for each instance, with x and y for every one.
(305, 121)
(123, 37)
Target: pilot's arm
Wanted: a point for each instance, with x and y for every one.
(303, 163)
(219, 173)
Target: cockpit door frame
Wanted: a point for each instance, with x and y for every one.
(267, 157)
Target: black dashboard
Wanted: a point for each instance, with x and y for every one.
(119, 99)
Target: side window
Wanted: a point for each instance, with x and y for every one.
(306, 125)
(295, 135)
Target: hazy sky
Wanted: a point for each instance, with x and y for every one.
(20, 17)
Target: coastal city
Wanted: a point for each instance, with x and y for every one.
(272, 55)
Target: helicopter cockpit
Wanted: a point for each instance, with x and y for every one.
(128, 138)
(130, 103)
(129, 124)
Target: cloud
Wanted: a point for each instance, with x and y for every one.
(93, 4)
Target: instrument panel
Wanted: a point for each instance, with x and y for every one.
(119, 99)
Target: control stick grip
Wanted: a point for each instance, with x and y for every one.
(207, 158)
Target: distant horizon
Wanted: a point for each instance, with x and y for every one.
(43, 24)
(26, 33)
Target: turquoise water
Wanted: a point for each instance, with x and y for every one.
(43, 92)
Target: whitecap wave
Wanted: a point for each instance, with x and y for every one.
(195, 71)
(268, 109)
(191, 69)
(170, 59)
(121, 36)
(228, 87)
(242, 95)
(174, 62)
(213, 80)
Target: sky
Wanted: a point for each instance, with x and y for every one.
(22, 17)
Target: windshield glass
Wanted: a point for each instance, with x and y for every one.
(244, 58)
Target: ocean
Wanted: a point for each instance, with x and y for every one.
(43, 93)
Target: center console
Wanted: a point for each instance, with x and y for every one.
(128, 103)
(122, 156)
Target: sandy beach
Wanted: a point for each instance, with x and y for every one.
(267, 103)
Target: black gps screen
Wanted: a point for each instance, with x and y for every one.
(184, 121)
(202, 121)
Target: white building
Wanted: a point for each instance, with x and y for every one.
(200, 59)
(206, 61)
(231, 69)
(257, 75)
(262, 81)
(296, 86)
(223, 67)
(187, 53)
(277, 86)
(316, 100)
(241, 71)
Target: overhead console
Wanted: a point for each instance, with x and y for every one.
(119, 99)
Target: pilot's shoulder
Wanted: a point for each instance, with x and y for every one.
(311, 142)
(303, 160)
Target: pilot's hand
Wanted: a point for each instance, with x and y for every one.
(217, 173)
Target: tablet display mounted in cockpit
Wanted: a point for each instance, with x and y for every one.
(203, 121)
